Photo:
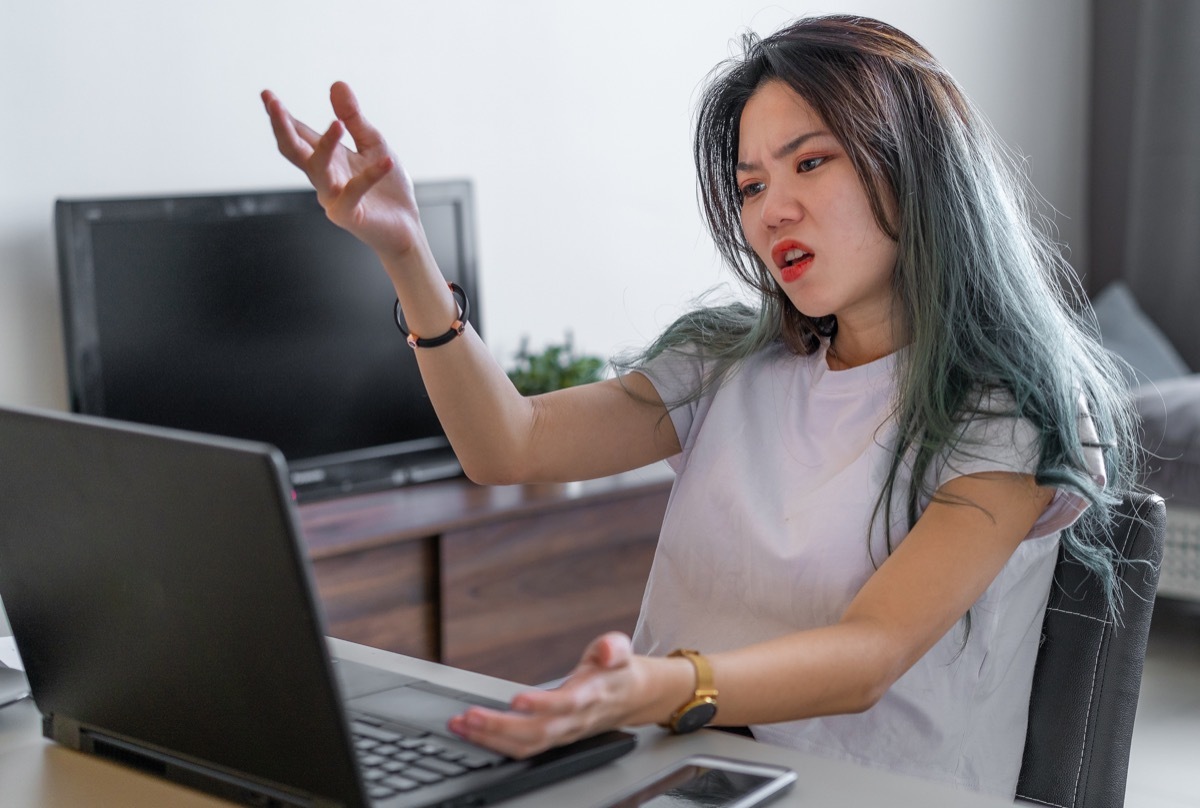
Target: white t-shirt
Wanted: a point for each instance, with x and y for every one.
(766, 534)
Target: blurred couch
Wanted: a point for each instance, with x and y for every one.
(1167, 394)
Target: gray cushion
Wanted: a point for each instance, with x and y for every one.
(1170, 412)
(1130, 334)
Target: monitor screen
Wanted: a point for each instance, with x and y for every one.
(252, 315)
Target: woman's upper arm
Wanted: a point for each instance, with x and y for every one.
(950, 557)
(597, 429)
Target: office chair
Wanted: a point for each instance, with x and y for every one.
(1089, 671)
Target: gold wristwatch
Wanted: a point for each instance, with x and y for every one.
(702, 706)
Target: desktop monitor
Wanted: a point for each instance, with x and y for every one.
(251, 315)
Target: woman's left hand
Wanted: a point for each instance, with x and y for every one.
(606, 689)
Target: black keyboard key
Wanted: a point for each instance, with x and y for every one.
(443, 767)
(375, 733)
(400, 782)
(422, 776)
(478, 761)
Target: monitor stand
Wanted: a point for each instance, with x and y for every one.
(374, 474)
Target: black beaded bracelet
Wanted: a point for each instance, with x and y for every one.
(456, 328)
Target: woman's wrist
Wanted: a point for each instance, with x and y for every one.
(403, 252)
(667, 684)
(425, 298)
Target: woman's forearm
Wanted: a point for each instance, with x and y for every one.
(486, 420)
(844, 668)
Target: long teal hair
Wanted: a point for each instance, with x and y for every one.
(990, 303)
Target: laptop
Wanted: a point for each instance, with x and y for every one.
(162, 603)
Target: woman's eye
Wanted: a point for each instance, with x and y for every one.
(808, 164)
(750, 189)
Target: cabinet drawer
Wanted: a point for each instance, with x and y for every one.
(521, 598)
(383, 597)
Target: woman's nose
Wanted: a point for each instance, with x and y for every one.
(780, 207)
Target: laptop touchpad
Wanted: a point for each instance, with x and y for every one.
(355, 679)
(416, 708)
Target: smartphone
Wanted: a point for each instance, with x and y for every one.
(708, 781)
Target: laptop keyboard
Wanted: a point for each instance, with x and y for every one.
(395, 761)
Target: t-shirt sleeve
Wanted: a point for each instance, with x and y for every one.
(676, 374)
(1005, 443)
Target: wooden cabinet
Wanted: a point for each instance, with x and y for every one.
(511, 581)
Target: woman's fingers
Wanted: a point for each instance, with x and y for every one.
(537, 721)
(587, 702)
(291, 145)
(320, 168)
(618, 649)
(610, 650)
(360, 183)
(561, 701)
(517, 734)
(345, 106)
(352, 193)
(363, 189)
(306, 132)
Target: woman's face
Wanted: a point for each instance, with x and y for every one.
(806, 214)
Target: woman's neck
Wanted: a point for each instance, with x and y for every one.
(852, 349)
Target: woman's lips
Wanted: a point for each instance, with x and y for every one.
(794, 270)
(792, 258)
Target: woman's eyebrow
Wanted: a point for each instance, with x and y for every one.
(784, 150)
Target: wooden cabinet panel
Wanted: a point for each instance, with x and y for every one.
(384, 597)
(510, 580)
(522, 597)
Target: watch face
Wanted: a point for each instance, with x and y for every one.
(695, 716)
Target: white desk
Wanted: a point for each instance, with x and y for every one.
(36, 772)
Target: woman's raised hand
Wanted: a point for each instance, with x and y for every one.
(364, 190)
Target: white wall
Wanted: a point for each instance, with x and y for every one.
(573, 121)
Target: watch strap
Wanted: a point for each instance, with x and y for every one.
(704, 674)
(702, 706)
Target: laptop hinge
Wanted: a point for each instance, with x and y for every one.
(61, 730)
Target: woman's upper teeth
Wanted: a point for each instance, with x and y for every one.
(794, 255)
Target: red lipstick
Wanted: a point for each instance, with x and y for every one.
(792, 258)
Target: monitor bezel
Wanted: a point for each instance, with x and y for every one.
(74, 220)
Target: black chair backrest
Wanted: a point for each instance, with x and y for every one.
(1089, 671)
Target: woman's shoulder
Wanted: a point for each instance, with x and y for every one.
(776, 359)
(704, 359)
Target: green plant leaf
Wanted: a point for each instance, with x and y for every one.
(555, 368)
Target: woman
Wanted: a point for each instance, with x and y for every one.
(875, 464)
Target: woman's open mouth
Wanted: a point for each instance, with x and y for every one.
(792, 258)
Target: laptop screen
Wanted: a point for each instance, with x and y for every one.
(129, 564)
